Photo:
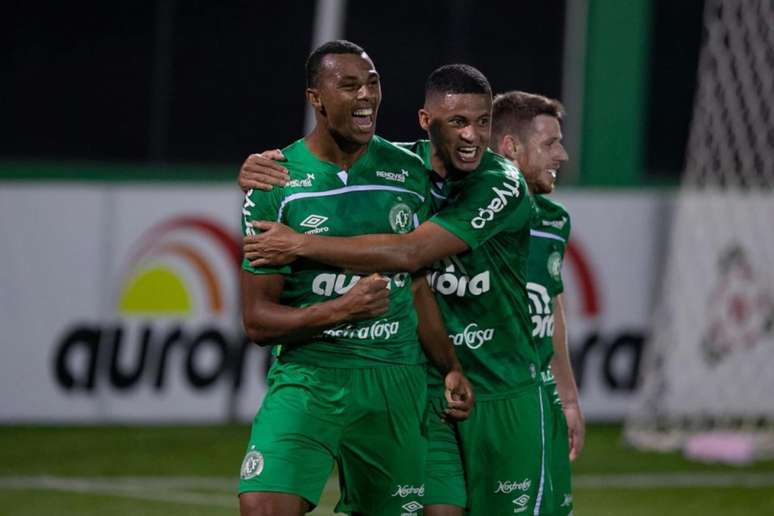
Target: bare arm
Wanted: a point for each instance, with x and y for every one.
(262, 172)
(439, 349)
(266, 320)
(565, 381)
(365, 253)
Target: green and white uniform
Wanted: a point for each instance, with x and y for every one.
(327, 395)
(549, 235)
(483, 298)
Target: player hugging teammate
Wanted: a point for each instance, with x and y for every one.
(451, 211)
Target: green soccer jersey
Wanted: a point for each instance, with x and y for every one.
(385, 191)
(482, 292)
(549, 234)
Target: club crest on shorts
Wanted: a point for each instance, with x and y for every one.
(252, 465)
(400, 218)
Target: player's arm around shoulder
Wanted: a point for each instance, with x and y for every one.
(486, 203)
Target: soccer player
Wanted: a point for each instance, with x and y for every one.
(479, 239)
(526, 128)
(349, 382)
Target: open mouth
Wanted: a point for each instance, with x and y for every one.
(363, 118)
(552, 173)
(467, 154)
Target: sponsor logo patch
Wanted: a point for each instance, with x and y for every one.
(509, 189)
(472, 336)
(558, 224)
(305, 183)
(448, 283)
(540, 310)
(378, 330)
(328, 283)
(399, 177)
(404, 491)
(508, 486)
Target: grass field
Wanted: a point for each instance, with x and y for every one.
(154, 471)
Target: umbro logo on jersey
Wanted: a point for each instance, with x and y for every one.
(312, 221)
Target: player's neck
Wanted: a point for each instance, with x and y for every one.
(324, 146)
(440, 167)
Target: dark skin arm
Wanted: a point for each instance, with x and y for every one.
(279, 245)
(439, 349)
(265, 320)
(262, 172)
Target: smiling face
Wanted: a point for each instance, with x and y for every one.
(346, 97)
(459, 126)
(540, 153)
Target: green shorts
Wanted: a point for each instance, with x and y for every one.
(559, 466)
(444, 474)
(505, 452)
(367, 421)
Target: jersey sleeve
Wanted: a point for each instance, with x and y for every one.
(260, 205)
(566, 235)
(485, 206)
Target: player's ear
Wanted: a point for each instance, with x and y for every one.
(509, 147)
(313, 97)
(424, 119)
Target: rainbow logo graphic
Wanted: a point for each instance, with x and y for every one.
(182, 267)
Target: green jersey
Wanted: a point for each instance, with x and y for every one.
(482, 292)
(549, 234)
(385, 191)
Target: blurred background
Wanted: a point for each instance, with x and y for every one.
(124, 126)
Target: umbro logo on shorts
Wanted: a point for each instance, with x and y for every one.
(412, 507)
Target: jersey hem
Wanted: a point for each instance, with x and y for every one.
(507, 394)
(370, 365)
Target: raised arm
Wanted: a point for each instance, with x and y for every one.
(565, 381)
(439, 349)
(266, 320)
(279, 245)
